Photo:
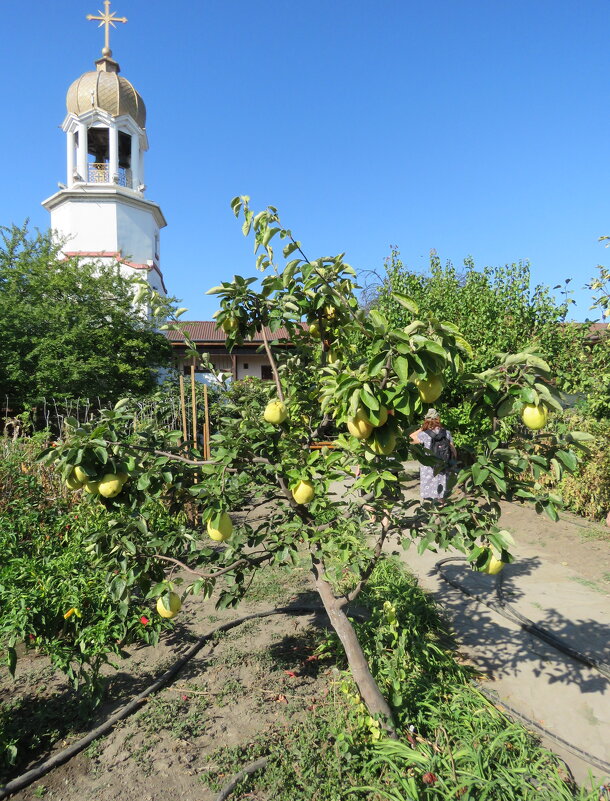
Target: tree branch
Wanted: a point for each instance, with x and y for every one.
(270, 356)
(239, 563)
(386, 367)
(318, 431)
(176, 458)
(386, 527)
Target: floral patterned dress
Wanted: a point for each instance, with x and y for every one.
(432, 486)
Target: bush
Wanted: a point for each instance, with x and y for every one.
(587, 491)
(51, 591)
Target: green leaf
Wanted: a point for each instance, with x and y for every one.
(569, 459)
(580, 436)
(143, 482)
(102, 454)
(479, 474)
(464, 346)
(406, 301)
(269, 234)
(402, 368)
(142, 526)
(506, 407)
(290, 248)
(528, 395)
(247, 222)
(379, 321)
(431, 346)
(369, 400)
(536, 361)
(516, 358)
(376, 363)
(550, 511)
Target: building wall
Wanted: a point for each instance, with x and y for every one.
(109, 226)
(254, 361)
(136, 234)
(89, 229)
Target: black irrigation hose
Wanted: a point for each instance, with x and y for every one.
(503, 608)
(253, 767)
(495, 699)
(63, 756)
(543, 634)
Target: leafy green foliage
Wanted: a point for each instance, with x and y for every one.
(66, 587)
(586, 491)
(498, 310)
(69, 329)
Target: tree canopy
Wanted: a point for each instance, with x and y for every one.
(68, 328)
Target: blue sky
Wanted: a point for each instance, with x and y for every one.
(475, 128)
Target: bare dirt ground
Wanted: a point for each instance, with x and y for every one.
(250, 682)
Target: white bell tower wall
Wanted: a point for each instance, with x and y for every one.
(101, 211)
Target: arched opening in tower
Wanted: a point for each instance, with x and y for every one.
(98, 157)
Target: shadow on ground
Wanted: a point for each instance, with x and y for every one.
(505, 649)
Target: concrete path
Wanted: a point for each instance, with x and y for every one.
(551, 584)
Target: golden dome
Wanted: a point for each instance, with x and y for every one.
(104, 89)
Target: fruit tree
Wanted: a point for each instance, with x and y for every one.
(351, 377)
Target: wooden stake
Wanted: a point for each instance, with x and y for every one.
(206, 424)
(183, 409)
(193, 404)
(194, 413)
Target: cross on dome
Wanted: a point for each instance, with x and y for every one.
(107, 19)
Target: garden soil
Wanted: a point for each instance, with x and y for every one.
(249, 683)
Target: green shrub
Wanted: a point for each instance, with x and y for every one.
(587, 491)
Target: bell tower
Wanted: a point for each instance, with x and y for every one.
(101, 212)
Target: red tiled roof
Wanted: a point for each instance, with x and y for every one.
(207, 331)
(594, 331)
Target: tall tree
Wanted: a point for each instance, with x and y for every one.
(67, 328)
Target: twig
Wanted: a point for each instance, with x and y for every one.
(386, 527)
(386, 367)
(239, 563)
(276, 375)
(330, 286)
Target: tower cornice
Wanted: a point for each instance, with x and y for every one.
(105, 194)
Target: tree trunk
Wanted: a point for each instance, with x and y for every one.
(369, 691)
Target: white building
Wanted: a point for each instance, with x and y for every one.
(101, 212)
